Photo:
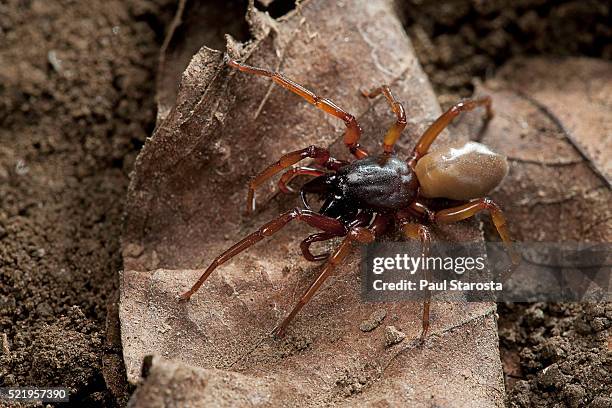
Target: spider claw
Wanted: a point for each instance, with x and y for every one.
(184, 297)
(278, 332)
(423, 335)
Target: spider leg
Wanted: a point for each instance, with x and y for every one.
(356, 234)
(455, 214)
(327, 224)
(394, 131)
(361, 220)
(422, 233)
(353, 131)
(320, 154)
(445, 119)
(294, 172)
(318, 237)
(421, 210)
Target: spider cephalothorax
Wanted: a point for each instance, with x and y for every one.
(364, 197)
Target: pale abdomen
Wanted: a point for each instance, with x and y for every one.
(460, 171)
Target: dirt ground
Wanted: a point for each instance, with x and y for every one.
(76, 104)
(77, 101)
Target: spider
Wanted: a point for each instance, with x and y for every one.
(365, 197)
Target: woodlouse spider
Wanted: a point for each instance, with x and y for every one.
(363, 198)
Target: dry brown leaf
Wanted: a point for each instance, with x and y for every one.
(553, 122)
(555, 129)
(195, 22)
(185, 206)
(575, 94)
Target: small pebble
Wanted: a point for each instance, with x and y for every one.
(54, 60)
(373, 321)
(393, 336)
(21, 168)
(133, 250)
(5, 345)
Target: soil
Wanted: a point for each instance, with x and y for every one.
(462, 41)
(76, 104)
(77, 101)
(556, 354)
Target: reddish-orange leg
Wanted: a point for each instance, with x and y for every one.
(355, 234)
(445, 119)
(452, 215)
(421, 210)
(327, 224)
(467, 210)
(283, 183)
(421, 232)
(353, 130)
(318, 237)
(461, 212)
(320, 154)
(394, 131)
(361, 220)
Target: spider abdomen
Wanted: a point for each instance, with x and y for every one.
(460, 171)
(380, 183)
